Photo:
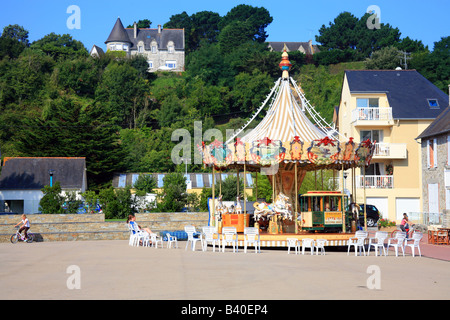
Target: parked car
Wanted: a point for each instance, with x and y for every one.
(372, 215)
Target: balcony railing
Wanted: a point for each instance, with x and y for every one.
(372, 114)
(390, 150)
(375, 182)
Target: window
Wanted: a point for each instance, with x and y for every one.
(373, 135)
(150, 64)
(172, 64)
(367, 102)
(433, 103)
(170, 49)
(112, 47)
(199, 179)
(125, 47)
(432, 153)
(141, 49)
(122, 181)
(153, 48)
(160, 180)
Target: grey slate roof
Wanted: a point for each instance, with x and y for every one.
(407, 91)
(441, 125)
(118, 33)
(33, 173)
(293, 46)
(162, 39)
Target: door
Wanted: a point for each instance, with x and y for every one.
(409, 206)
(381, 204)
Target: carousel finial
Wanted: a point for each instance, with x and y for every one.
(285, 64)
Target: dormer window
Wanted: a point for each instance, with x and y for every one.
(433, 103)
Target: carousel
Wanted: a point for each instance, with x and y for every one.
(289, 141)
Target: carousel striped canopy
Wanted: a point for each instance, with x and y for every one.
(284, 120)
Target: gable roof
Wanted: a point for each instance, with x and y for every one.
(308, 47)
(441, 125)
(33, 173)
(118, 33)
(407, 91)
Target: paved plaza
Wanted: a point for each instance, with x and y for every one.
(105, 270)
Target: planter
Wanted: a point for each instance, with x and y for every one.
(387, 229)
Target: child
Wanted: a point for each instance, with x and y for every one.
(25, 227)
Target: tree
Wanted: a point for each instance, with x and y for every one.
(253, 21)
(60, 46)
(384, 59)
(173, 197)
(16, 32)
(141, 24)
(116, 203)
(52, 201)
(145, 183)
(434, 66)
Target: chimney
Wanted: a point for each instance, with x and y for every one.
(135, 29)
(159, 28)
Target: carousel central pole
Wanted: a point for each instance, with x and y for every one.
(296, 200)
(213, 198)
(342, 202)
(245, 196)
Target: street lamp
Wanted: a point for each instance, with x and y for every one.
(50, 172)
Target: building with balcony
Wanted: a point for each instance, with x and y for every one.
(392, 108)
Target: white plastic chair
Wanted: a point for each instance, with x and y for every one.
(292, 242)
(320, 244)
(138, 235)
(155, 240)
(229, 236)
(171, 240)
(132, 235)
(397, 242)
(417, 236)
(378, 242)
(251, 236)
(358, 241)
(191, 232)
(208, 234)
(308, 243)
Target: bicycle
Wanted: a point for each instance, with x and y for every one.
(17, 236)
(413, 228)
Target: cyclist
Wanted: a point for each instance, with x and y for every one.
(25, 227)
(404, 226)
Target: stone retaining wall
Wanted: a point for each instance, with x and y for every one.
(70, 227)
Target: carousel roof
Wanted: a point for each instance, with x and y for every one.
(285, 120)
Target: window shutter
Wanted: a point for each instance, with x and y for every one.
(434, 153)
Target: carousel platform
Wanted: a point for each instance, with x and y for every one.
(280, 240)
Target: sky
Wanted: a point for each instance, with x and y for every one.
(293, 20)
